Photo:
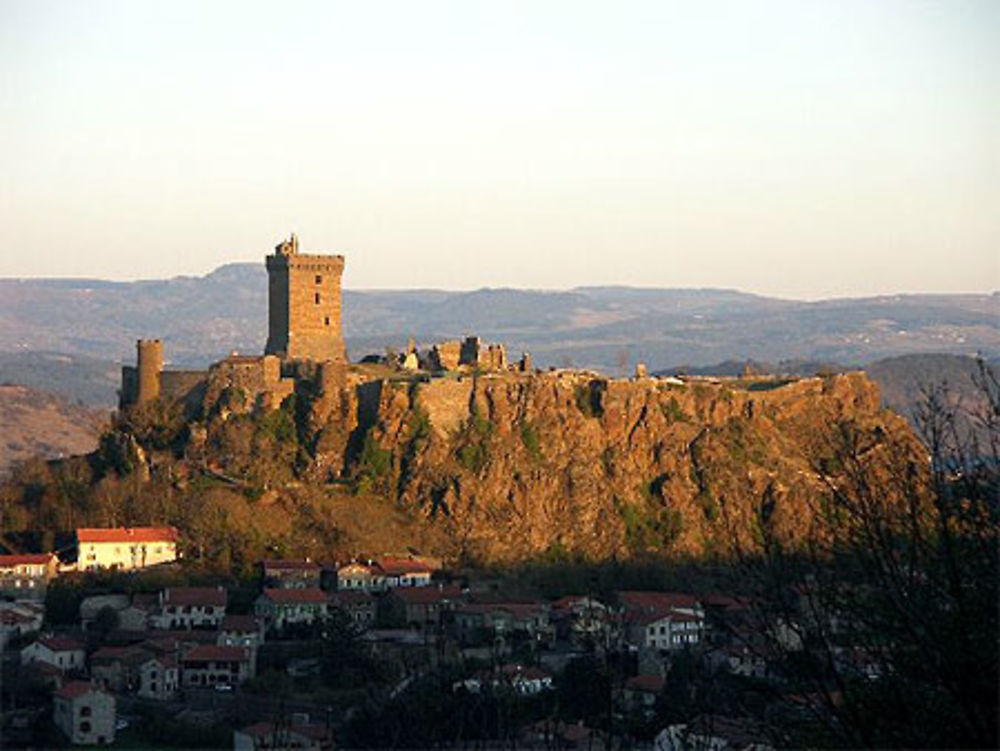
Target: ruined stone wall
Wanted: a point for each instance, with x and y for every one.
(476, 354)
(445, 356)
(258, 378)
(470, 352)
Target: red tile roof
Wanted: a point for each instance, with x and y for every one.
(426, 595)
(351, 597)
(243, 623)
(209, 652)
(645, 619)
(306, 595)
(127, 534)
(656, 601)
(517, 609)
(74, 689)
(569, 601)
(650, 684)
(397, 566)
(145, 600)
(11, 617)
(60, 643)
(31, 559)
(195, 596)
(111, 654)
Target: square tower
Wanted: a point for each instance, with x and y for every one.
(303, 305)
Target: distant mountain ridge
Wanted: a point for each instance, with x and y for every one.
(606, 328)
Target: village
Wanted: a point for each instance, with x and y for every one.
(197, 657)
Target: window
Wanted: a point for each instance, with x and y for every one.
(84, 727)
(319, 279)
(317, 298)
(85, 711)
(326, 320)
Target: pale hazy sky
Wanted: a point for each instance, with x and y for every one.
(797, 148)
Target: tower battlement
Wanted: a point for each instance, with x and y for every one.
(304, 305)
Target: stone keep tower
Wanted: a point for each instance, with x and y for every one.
(303, 311)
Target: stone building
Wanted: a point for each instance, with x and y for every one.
(85, 714)
(304, 305)
(303, 328)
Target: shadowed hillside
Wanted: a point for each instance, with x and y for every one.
(43, 425)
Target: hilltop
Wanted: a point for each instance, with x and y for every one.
(474, 468)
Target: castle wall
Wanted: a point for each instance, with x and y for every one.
(130, 387)
(445, 355)
(475, 354)
(277, 308)
(258, 377)
(185, 386)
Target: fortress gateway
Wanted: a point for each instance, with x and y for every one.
(303, 338)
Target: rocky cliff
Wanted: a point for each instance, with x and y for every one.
(487, 468)
(513, 466)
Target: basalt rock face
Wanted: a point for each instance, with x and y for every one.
(513, 466)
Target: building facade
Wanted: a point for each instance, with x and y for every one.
(26, 576)
(125, 547)
(85, 714)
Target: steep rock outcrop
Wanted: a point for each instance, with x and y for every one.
(517, 465)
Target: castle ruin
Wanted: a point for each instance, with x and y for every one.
(303, 329)
(304, 342)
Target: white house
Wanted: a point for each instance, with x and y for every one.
(670, 631)
(25, 576)
(84, 713)
(404, 572)
(125, 547)
(360, 576)
(61, 652)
